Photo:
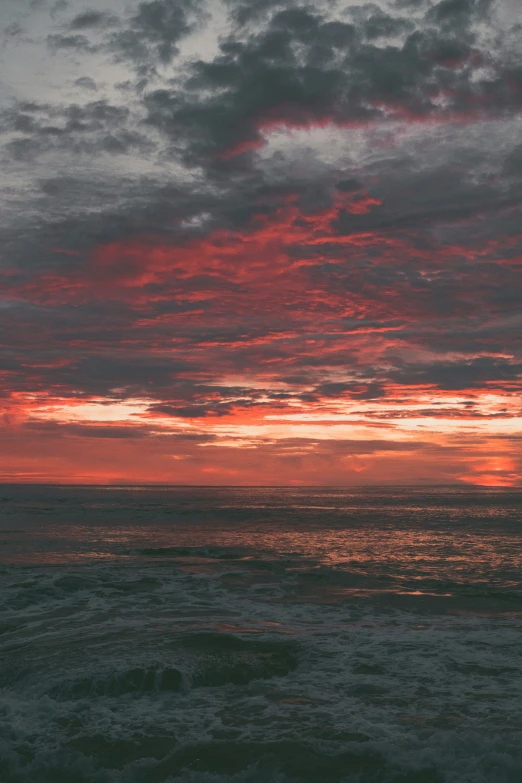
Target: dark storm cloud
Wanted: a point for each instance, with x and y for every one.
(90, 19)
(349, 185)
(155, 31)
(89, 129)
(513, 164)
(357, 391)
(78, 43)
(88, 431)
(453, 209)
(460, 375)
(193, 411)
(247, 82)
(86, 82)
(302, 68)
(85, 371)
(13, 31)
(245, 12)
(51, 430)
(458, 13)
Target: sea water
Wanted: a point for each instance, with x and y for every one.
(199, 634)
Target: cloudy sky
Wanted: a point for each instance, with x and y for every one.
(261, 242)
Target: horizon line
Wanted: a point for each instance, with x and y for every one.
(129, 485)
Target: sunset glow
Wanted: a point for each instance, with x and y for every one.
(291, 254)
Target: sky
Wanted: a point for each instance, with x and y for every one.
(261, 242)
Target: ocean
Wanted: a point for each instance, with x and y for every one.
(152, 634)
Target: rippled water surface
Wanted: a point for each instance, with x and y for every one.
(151, 635)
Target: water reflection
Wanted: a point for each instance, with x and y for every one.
(358, 542)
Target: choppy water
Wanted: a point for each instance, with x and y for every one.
(257, 635)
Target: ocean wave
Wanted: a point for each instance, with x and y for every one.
(211, 553)
(137, 680)
(206, 660)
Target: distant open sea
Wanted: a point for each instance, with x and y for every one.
(204, 635)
